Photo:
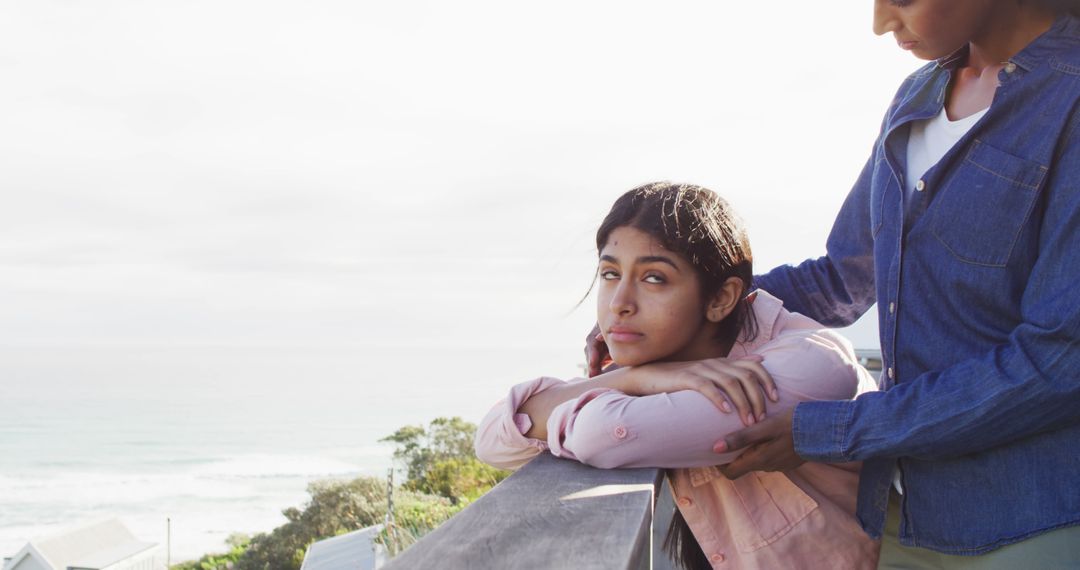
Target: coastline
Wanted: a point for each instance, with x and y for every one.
(206, 504)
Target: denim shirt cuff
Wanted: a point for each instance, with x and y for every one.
(819, 430)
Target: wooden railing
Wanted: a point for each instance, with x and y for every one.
(554, 513)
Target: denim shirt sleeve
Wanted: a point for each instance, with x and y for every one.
(837, 288)
(1026, 386)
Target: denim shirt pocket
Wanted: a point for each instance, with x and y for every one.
(979, 214)
(770, 505)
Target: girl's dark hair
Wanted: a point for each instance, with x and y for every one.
(702, 227)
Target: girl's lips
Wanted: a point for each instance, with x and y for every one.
(906, 45)
(624, 336)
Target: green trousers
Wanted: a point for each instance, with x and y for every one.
(1048, 551)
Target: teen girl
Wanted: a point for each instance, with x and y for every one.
(964, 228)
(674, 267)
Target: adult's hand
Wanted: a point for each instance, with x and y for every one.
(768, 446)
(596, 352)
(743, 382)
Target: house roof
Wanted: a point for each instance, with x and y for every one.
(93, 546)
(352, 551)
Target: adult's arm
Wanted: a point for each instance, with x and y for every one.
(837, 288)
(1026, 386)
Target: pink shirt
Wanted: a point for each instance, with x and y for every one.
(803, 518)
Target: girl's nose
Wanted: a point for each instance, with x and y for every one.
(885, 20)
(622, 302)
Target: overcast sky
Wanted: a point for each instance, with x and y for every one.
(401, 173)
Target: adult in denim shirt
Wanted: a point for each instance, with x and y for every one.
(975, 275)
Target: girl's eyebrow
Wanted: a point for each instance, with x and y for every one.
(658, 259)
(643, 259)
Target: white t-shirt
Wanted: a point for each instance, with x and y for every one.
(928, 141)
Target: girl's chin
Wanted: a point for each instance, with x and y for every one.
(630, 359)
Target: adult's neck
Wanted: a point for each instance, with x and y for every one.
(1009, 29)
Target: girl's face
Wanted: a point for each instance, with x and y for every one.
(932, 29)
(650, 305)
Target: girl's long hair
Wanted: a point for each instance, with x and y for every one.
(701, 226)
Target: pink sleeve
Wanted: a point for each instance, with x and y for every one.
(606, 428)
(500, 439)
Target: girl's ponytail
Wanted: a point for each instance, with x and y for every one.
(682, 547)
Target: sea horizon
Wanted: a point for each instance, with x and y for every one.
(219, 440)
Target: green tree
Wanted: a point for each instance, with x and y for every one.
(414, 516)
(443, 477)
(419, 448)
(460, 479)
(440, 460)
(237, 543)
(335, 507)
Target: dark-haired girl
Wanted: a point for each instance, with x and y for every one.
(674, 268)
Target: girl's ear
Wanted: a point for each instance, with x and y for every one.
(723, 302)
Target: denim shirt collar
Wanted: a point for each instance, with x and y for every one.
(1064, 29)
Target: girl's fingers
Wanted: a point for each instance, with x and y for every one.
(715, 395)
(750, 385)
(764, 379)
(735, 394)
(595, 351)
(734, 380)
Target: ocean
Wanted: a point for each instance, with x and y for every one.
(219, 440)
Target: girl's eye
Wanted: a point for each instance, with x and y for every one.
(654, 278)
(900, 3)
(608, 274)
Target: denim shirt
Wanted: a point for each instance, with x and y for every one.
(977, 284)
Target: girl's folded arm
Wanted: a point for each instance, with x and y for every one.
(606, 428)
(515, 429)
(500, 438)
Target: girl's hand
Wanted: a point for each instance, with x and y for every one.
(596, 352)
(743, 382)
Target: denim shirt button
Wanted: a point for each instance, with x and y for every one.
(892, 308)
(920, 186)
(892, 375)
(1010, 67)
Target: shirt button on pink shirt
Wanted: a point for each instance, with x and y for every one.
(620, 432)
(717, 558)
(685, 502)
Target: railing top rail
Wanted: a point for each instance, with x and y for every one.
(552, 513)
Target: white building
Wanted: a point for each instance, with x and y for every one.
(106, 545)
(353, 551)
